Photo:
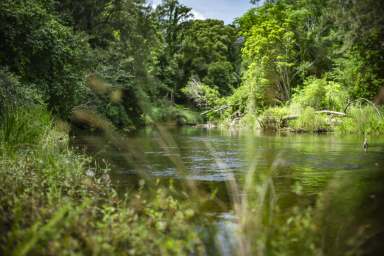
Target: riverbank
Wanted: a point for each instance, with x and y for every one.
(55, 201)
(357, 120)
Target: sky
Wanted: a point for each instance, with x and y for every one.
(226, 10)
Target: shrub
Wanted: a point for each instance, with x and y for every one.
(310, 121)
(362, 120)
(273, 118)
(201, 94)
(13, 93)
(221, 74)
(165, 111)
(336, 97)
(237, 102)
(54, 201)
(321, 94)
(41, 50)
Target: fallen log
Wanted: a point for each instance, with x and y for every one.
(327, 112)
(331, 113)
(215, 110)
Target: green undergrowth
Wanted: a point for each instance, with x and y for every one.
(167, 112)
(310, 121)
(319, 105)
(358, 120)
(54, 201)
(363, 120)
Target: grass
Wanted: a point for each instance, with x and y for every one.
(363, 120)
(360, 119)
(54, 201)
(167, 112)
(272, 118)
(21, 126)
(310, 121)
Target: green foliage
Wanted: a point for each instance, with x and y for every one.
(301, 230)
(238, 100)
(171, 16)
(221, 75)
(360, 79)
(124, 61)
(201, 94)
(41, 50)
(9, 91)
(320, 47)
(203, 49)
(273, 118)
(363, 120)
(167, 112)
(321, 94)
(53, 45)
(358, 35)
(207, 52)
(312, 94)
(310, 121)
(56, 202)
(20, 126)
(269, 48)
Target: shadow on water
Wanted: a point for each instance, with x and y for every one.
(265, 194)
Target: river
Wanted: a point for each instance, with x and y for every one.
(318, 191)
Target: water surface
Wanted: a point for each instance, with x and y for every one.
(328, 173)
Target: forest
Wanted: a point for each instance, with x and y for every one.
(115, 68)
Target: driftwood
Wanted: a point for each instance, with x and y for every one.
(374, 105)
(328, 112)
(215, 110)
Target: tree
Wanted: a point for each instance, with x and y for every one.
(270, 48)
(43, 52)
(358, 29)
(171, 16)
(208, 52)
(285, 42)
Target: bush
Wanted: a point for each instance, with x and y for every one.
(310, 121)
(41, 50)
(272, 118)
(362, 120)
(237, 102)
(201, 94)
(221, 74)
(168, 112)
(14, 94)
(56, 202)
(321, 94)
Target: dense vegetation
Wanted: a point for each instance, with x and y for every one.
(307, 65)
(54, 201)
(285, 54)
(311, 54)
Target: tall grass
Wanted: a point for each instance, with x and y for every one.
(310, 121)
(23, 126)
(54, 201)
(363, 120)
(264, 229)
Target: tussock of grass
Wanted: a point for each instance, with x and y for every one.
(310, 121)
(363, 120)
(272, 118)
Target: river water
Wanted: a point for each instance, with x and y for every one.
(323, 191)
